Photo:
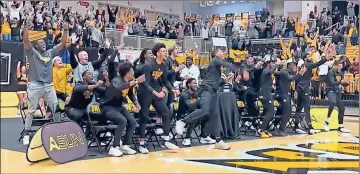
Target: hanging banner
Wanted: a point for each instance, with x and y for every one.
(130, 55)
(168, 42)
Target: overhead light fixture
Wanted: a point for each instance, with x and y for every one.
(241, 1)
(225, 2)
(217, 2)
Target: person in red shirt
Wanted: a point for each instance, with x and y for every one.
(354, 68)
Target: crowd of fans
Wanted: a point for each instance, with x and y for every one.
(158, 77)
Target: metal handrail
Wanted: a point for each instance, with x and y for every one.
(336, 24)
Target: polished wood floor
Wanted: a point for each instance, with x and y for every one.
(327, 151)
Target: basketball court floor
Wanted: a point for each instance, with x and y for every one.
(327, 152)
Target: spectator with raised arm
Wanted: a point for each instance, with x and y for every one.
(40, 74)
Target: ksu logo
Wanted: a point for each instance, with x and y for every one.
(335, 157)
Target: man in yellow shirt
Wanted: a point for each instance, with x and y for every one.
(313, 38)
(60, 74)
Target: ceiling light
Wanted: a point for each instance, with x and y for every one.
(225, 2)
(233, 2)
(217, 2)
(241, 1)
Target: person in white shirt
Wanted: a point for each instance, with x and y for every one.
(190, 71)
(15, 8)
(205, 32)
(323, 71)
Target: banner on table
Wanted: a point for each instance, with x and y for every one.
(61, 142)
(168, 42)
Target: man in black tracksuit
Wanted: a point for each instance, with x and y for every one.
(173, 68)
(120, 87)
(208, 96)
(152, 92)
(188, 103)
(335, 78)
(265, 95)
(303, 95)
(283, 81)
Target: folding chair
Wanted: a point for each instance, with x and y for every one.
(150, 128)
(175, 117)
(38, 121)
(98, 131)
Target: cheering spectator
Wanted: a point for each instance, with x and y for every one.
(353, 34)
(112, 15)
(354, 68)
(5, 29)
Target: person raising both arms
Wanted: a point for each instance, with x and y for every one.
(40, 74)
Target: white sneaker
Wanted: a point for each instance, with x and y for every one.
(180, 127)
(326, 126)
(186, 142)
(127, 150)
(299, 131)
(222, 145)
(159, 131)
(143, 150)
(108, 134)
(170, 146)
(26, 140)
(314, 131)
(115, 151)
(343, 130)
(207, 140)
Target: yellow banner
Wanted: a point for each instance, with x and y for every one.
(168, 42)
(36, 35)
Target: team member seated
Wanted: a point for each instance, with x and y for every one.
(121, 86)
(188, 103)
(82, 96)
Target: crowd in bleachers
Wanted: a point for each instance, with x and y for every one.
(303, 52)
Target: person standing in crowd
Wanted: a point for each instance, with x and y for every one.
(122, 86)
(139, 64)
(59, 79)
(40, 74)
(173, 71)
(283, 81)
(112, 15)
(82, 96)
(5, 29)
(208, 99)
(15, 29)
(353, 34)
(22, 77)
(335, 81)
(152, 92)
(265, 95)
(303, 94)
(83, 64)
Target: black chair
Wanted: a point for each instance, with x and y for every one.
(98, 129)
(38, 120)
(176, 117)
